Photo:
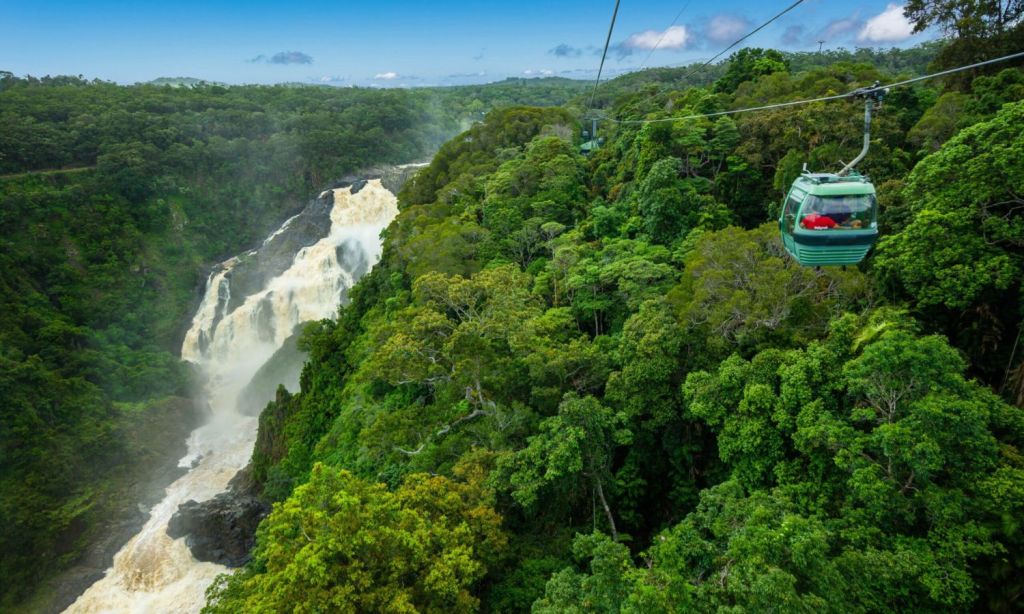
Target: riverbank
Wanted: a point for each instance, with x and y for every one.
(157, 438)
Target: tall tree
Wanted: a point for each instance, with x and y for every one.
(748, 64)
(577, 443)
(978, 29)
(342, 544)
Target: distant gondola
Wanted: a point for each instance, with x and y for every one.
(591, 142)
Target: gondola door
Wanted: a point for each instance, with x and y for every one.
(788, 219)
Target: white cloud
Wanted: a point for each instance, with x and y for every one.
(386, 76)
(543, 72)
(331, 79)
(889, 26)
(725, 28)
(675, 37)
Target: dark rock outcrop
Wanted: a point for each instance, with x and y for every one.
(251, 272)
(391, 177)
(222, 529)
(273, 257)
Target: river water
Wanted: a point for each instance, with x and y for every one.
(230, 339)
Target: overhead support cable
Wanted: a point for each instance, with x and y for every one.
(1012, 56)
(743, 38)
(766, 107)
(604, 54)
(858, 92)
(664, 33)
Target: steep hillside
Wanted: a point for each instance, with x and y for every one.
(601, 383)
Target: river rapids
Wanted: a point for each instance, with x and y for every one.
(235, 331)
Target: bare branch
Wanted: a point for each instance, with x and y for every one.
(410, 452)
(476, 413)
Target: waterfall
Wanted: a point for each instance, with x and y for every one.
(234, 332)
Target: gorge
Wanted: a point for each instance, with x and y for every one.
(252, 306)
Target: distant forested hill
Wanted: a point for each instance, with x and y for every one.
(114, 201)
(913, 61)
(600, 384)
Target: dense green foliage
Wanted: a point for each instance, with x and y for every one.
(680, 417)
(113, 202)
(975, 29)
(364, 548)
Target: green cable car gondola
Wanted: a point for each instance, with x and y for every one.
(832, 218)
(829, 219)
(591, 141)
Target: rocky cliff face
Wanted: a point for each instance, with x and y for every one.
(251, 272)
(391, 177)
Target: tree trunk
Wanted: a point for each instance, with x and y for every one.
(607, 510)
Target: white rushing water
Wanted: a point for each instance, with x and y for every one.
(152, 572)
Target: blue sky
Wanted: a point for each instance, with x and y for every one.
(406, 43)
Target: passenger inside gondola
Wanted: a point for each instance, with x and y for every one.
(816, 219)
(851, 212)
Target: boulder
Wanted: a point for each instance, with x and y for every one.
(223, 529)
